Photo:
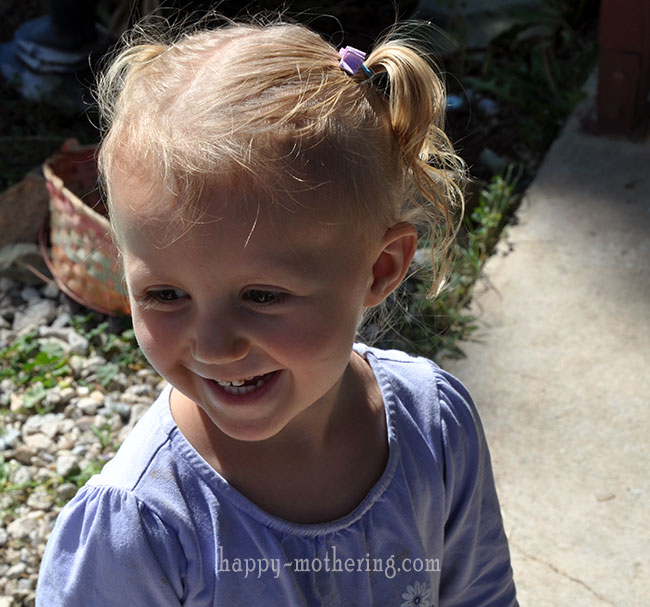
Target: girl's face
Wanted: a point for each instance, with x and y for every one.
(252, 313)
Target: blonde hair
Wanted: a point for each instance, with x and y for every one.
(269, 105)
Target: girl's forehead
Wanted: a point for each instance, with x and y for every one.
(250, 215)
(233, 200)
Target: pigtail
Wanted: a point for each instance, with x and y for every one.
(432, 173)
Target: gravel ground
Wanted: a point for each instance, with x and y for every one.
(49, 449)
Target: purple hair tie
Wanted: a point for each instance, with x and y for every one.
(352, 60)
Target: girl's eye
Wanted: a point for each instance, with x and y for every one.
(264, 298)
(164, 296)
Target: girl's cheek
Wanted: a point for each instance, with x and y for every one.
(153, 337)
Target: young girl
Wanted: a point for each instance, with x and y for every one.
(264, 189)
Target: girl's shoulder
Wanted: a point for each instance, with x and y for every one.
(129, 514)
(109, 548)
(423, 399)
(415, 380)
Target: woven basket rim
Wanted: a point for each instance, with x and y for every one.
(79, 204)
(98, 296)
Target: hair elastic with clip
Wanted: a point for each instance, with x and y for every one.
(352, 61)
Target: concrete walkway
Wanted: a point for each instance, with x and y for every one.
(561, 375)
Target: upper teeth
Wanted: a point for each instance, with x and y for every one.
(234, 382)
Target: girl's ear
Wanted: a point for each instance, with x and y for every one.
(392, 263)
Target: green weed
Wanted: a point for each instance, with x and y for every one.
(41, 366)
(542, 56)
(118, 346)
(413, 322)
(81, 478)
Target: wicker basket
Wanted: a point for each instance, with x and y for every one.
(84, 261)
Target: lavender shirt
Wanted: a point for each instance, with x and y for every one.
(159, 527)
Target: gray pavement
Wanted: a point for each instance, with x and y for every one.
(561, 375)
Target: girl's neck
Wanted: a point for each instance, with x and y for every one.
(318, 472)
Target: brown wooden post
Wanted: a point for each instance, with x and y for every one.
(624, 71)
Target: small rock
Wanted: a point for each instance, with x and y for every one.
(44, 457)
(39, 500)
(83, 390)
(78, 343)
(45, 475)
(65, 443)
(6, 337)
(92, 364)
(139, 390)
(67, 465)
(15, 402)
(7, 385)
(16, 570)
(84, 424)
(6, 601)
(51, 427)
(67, 394)
(62, 320)
(79, 450)
(32, 425)
(70, 340)
(6, 284)
(52, 398)
(29, 293)
(56, 344)
(88, 436)
(22, 475)
(38, 312)
(76, 364)
(51, 291)
(88, 406)
(38, 441)
(47, 424)
(8, 438)
(26, 585)
(24, 454)
(98, 396)
(23, 526)
(66, 491)
(122, 409)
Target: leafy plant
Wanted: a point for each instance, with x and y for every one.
(82, 477)
(486, 220)
(537, 66)
(117, 344)
(26, 361)
(413, 322)
(103, 436)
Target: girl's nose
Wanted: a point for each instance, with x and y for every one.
(219, 342)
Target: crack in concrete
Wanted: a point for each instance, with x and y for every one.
(576, 580)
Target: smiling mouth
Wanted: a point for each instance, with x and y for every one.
(244, 386)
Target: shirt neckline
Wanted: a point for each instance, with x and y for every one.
(223, 488)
